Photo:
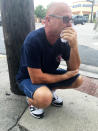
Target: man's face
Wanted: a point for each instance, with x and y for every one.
(60, 21)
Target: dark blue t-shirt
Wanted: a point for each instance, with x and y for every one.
(38, 53)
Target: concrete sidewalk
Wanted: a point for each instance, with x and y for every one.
(79, 113)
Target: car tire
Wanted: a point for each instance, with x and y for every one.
(83, 23)
(74, 23)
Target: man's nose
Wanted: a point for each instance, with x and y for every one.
(69, 24)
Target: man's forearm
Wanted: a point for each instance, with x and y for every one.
(46, 78)
(49, 78)
(74, 61)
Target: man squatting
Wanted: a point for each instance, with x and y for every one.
(38, 76)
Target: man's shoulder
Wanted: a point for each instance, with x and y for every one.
(34, 39)
(35, 35)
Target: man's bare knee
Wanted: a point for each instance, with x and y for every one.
(43, 97)
(78, 82)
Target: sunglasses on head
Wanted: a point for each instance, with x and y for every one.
(65, 19)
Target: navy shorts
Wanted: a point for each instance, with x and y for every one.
(28, 88)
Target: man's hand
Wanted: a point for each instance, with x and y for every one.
(70, 35)
(70, 74)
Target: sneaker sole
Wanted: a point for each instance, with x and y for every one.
(38, 116)
(57, 105)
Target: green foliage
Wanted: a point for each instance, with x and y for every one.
(40, 11)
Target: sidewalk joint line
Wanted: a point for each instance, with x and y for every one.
(17, 119)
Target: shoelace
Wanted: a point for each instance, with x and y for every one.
(55, 96)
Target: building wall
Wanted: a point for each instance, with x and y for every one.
(83, 8)
(96, 1)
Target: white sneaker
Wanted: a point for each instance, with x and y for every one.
(56, 101)
(36, 112)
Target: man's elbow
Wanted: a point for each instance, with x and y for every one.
(38, 80)
(35, 81)
(78, 65)
(75, 67)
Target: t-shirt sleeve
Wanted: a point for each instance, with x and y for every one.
(66, 51)
(31, 55)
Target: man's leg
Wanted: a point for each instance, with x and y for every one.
(38, 97)
(42, 97)
(57, 101)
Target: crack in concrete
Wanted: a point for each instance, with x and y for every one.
(22, 128)
(17, 120)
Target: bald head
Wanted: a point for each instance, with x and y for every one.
(54, 23)
(57, 8)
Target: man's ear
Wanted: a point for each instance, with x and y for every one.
(47, 19)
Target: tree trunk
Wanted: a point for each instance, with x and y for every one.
(17, 21)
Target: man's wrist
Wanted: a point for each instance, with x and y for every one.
(64, 76)
(74, 45)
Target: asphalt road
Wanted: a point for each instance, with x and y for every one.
(87, 39)
(2, 46)
(88, 44)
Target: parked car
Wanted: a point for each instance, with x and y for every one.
(79, 20)
(85, 18)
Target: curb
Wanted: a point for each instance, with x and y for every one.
(86, 70)
(2, 56)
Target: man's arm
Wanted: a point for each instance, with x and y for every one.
(38, 77)
(74, 60)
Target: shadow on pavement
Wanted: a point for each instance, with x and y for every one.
(88, 55)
